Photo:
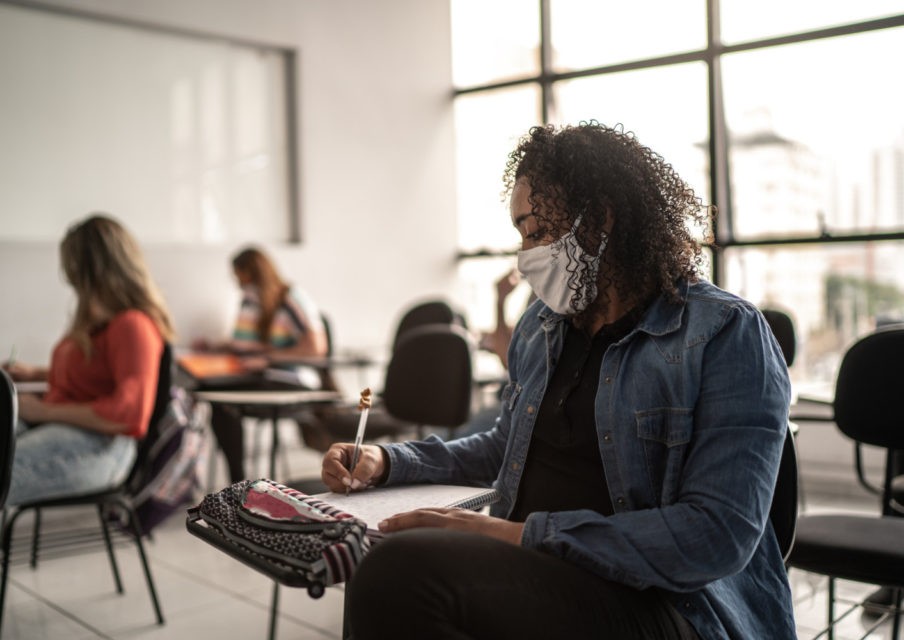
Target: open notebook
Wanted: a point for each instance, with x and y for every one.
(376, 504)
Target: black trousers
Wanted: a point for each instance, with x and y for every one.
(439, 584)
(226, 423)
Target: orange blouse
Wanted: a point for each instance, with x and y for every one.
(119, 378)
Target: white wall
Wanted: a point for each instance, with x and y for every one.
(376, 174)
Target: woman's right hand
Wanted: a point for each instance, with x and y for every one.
(506, 284)
(372, 466)
(21, 372)
(201, 344)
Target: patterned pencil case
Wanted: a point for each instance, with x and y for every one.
(288, 527)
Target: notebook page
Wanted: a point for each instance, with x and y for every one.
(378, 503)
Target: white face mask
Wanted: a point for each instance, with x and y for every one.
(549, 267)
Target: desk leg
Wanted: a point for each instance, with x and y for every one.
(274, 611)
(346, 628)
(275, 444)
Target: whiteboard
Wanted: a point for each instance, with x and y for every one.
(182, 138)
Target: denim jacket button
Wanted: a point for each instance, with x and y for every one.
(620, 501)
(608, 379)
(515, 466)
(530, 409)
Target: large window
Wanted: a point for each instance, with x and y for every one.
(787, 116)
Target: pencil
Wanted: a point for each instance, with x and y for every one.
(364, 406)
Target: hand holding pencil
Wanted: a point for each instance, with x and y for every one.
(350, 467)
(364, 407)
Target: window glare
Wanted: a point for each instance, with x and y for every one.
(816, 156)
(635, 98)
(592, 34)
(494, 40)
(815, 137)
(488, 127)
(743, 20)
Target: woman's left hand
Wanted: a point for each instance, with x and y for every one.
(255, 363)
(31, 408)
(458, 520)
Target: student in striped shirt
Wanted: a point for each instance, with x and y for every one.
(276, 323)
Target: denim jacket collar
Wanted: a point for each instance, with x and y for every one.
(663, 316)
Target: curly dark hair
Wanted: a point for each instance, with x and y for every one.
(590, 170)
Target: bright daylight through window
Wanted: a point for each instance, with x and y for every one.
(791, 121)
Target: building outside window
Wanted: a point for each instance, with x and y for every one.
(786, 115)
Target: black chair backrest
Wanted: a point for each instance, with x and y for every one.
(161, 402)
(9, 410)
(327, 379)
(429, 379)
(424, 313)
(328, 330)
(783, 513)
(869, 390)
(783, 329)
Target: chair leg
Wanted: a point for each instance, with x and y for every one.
(274, 611)
(35, 539)
(897, 613)
(831, 609)
(136, 532)
(6, 544)
(109, 544)
(256, 449)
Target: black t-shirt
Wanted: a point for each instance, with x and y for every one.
(563, 470)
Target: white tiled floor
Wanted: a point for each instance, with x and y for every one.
(206, 594)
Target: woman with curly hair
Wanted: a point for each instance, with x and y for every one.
(637, 447)
(81, 435)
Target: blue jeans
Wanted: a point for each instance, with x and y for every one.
(55, 460)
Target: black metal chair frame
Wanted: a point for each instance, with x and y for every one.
(113, 500)
(9, 411)
(862, 548)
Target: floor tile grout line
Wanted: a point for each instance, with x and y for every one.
(62, 611)
(239, 596)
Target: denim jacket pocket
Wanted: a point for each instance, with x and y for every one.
(664, 435)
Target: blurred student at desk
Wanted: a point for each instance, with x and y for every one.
(496, 342)
(276, 323)
(638, 442)
(80, 436)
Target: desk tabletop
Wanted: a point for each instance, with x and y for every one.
(338, 360)
(268, 398)
(40, 386)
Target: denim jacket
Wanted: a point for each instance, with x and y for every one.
(691, 415)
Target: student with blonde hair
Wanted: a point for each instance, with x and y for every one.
(81, 435)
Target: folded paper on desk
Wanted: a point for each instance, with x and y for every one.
(378, 503)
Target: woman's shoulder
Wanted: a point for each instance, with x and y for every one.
(299, 302)
(710, 309)
(705, 293)
(133, 321)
